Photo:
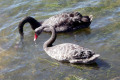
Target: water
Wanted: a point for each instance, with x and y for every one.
(32, 63)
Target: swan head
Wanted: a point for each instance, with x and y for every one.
(38, 32)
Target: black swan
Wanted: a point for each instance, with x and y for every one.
(66, 52)
(64, 22)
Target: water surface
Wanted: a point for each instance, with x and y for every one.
(31, 62)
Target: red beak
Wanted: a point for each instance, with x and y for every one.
(35, 37)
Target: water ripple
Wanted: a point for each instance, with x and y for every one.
(24, 63)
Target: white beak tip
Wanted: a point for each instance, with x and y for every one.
(34, 39)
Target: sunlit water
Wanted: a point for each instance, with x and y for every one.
(31, 62)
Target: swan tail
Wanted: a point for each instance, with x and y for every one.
(85, 61)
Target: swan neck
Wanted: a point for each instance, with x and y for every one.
(34, 24)
(51, 40)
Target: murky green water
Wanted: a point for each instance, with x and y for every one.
(32, 63)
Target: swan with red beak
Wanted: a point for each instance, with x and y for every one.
(66, 52)
(64, 22)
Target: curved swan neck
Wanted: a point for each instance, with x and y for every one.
(34, 24)
(50, 41)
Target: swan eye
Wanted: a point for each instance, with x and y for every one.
(37, 33)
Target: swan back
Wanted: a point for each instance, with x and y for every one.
(67, 22)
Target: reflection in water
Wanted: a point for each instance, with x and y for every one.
(95, 65)
(84, 66)
(102, 64)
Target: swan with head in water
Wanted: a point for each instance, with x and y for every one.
(64, 22)
(66, 52)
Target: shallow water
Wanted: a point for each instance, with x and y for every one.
(32, 63)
